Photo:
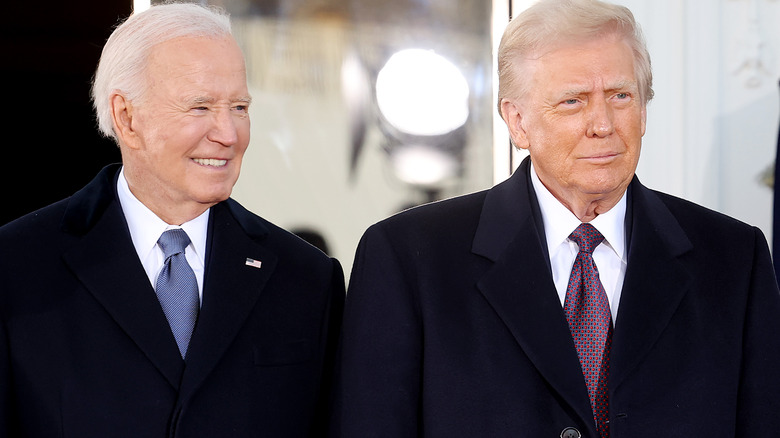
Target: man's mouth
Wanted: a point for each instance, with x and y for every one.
(210, 162)
(602, 157)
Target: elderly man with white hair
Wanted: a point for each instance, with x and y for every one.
(149, 303)
(570, 300)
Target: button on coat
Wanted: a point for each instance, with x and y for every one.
(570, 432)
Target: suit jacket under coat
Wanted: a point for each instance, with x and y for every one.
(453, 327)
(86, 351)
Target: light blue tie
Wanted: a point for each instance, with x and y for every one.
(177, 288)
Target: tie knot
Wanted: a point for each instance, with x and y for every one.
(587, 237)
(173, 242)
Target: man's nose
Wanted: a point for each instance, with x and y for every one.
(600, 118)
(224, 129)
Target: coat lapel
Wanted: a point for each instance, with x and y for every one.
(519, 287)
(656, 281)
(106, 263)
(231, 287)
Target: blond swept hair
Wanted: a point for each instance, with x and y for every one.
(554, 22)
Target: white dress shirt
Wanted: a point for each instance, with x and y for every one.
(609, 256)
(146, 228)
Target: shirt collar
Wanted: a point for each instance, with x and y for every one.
(559, 222)
(145, 227)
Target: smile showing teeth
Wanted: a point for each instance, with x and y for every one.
(210, 162)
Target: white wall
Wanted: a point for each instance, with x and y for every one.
(713, 125)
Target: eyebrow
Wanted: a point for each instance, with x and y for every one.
(247, 99)
(623, 85)
(199, 100)
(619, 85)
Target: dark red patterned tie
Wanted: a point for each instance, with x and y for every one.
(590, 322)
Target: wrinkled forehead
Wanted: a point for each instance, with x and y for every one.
(191, 63)
(526, 65)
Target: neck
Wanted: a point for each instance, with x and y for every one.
(586, 206)
(588, 212)
(178, 217)
(171, 211)
(173, 214)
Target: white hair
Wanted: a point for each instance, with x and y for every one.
(123, 61)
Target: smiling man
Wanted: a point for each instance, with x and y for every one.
(149, 304)
(569, 301)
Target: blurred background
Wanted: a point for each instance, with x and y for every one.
(363, 108)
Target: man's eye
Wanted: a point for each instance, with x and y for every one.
(570, 101)
(622, 95)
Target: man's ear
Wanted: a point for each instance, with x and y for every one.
(122, 114)
(513, 117)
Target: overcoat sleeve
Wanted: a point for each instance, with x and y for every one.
(5, 384)
(759, 390)
(379, 365)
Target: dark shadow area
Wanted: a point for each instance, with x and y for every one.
(52, 147)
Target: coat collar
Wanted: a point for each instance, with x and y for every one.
(519, 285)
(509, 209)
(87, 205)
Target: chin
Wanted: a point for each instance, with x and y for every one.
(606, 188)
(213, 197)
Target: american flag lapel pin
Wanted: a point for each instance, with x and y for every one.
(253, 263)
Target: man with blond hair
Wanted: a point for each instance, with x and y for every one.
(150, 304)
(570, 300)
